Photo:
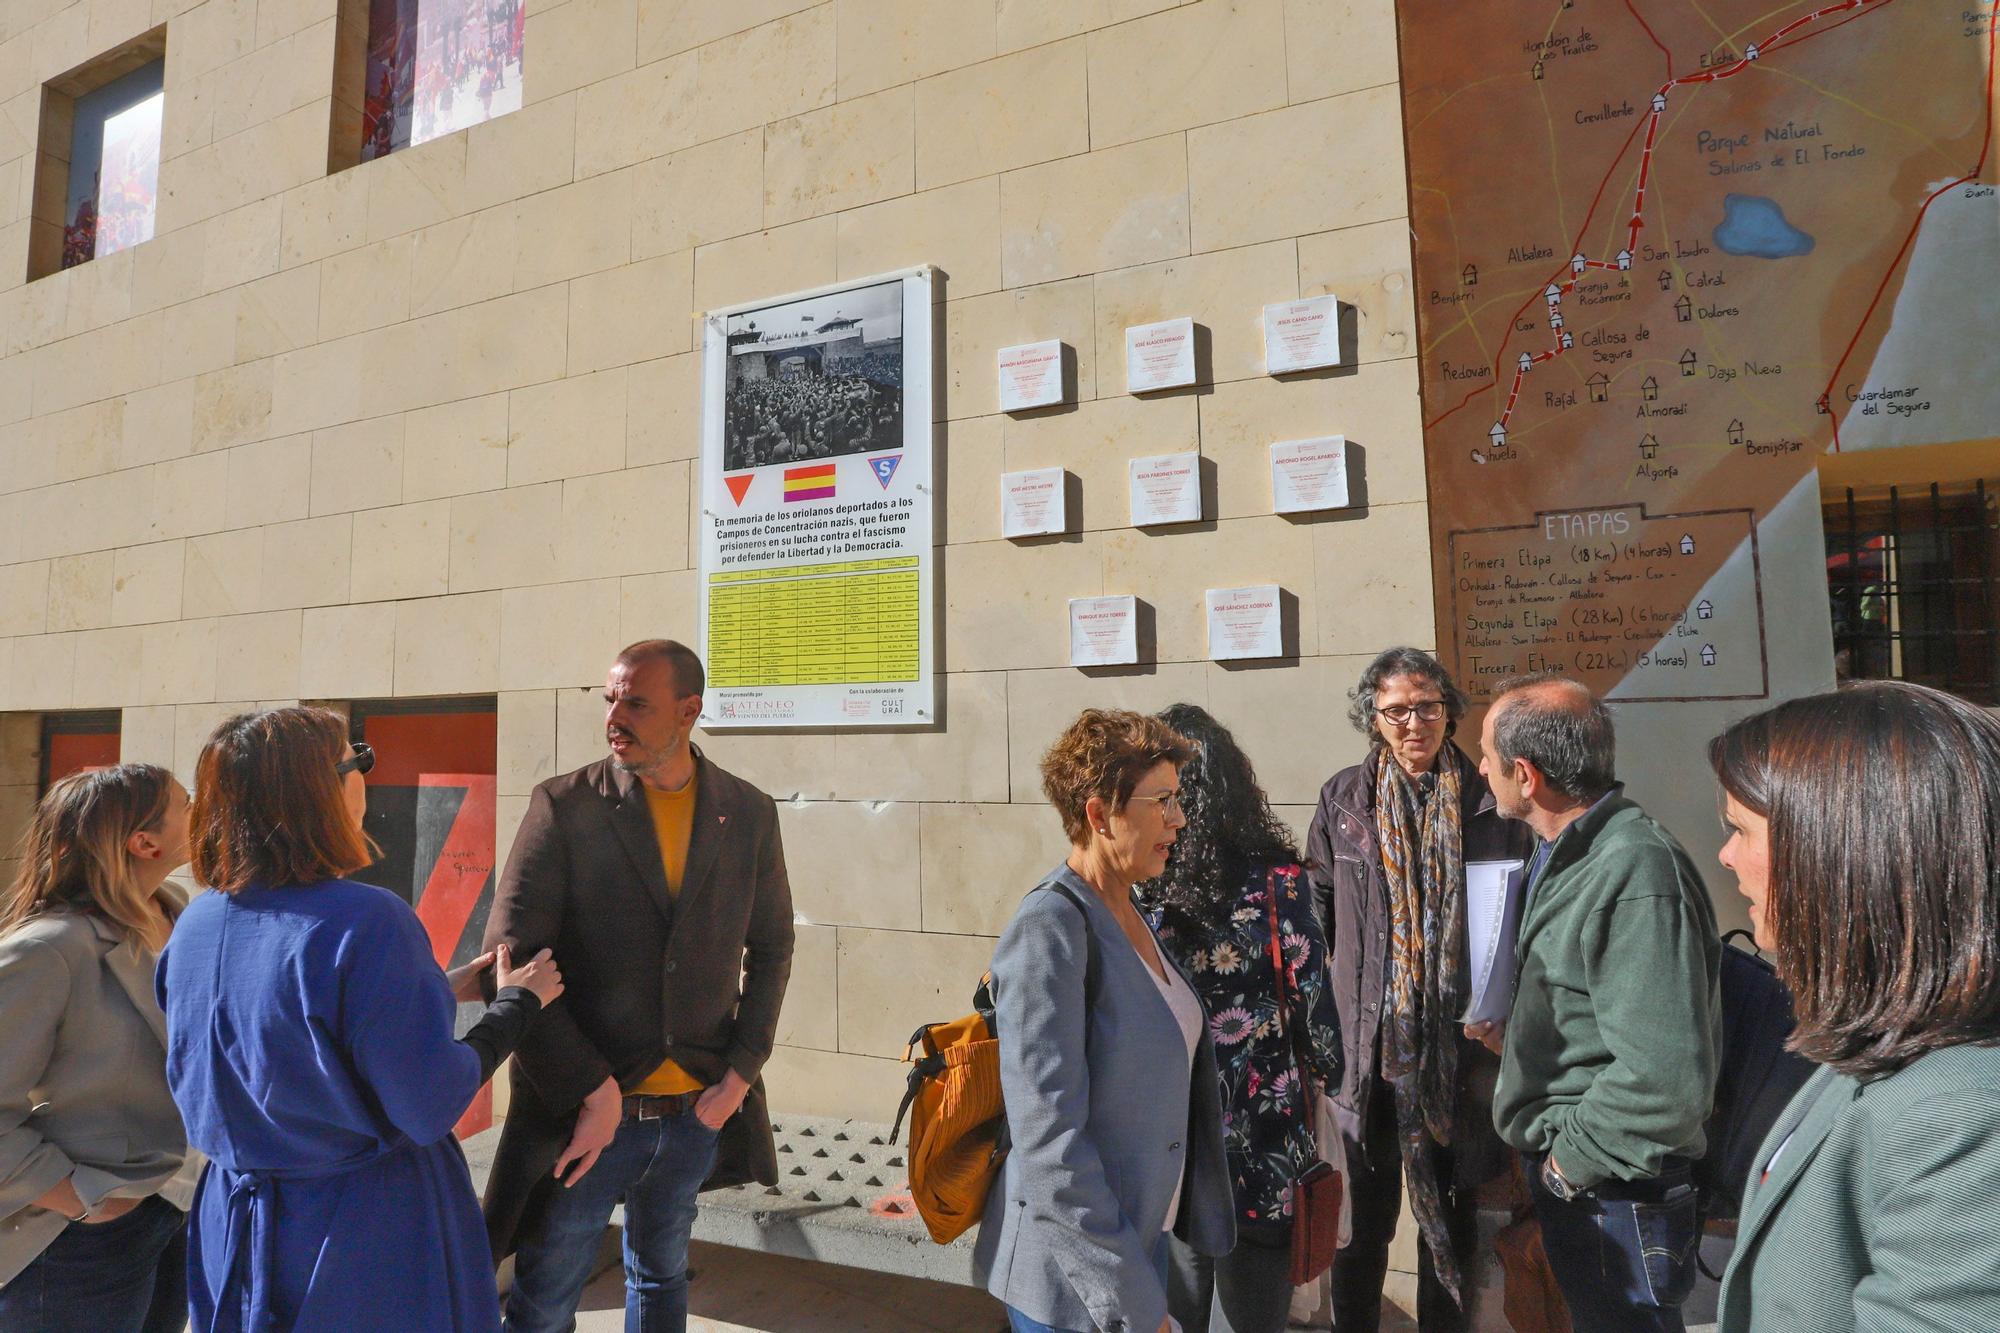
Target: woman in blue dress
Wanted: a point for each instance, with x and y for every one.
(310, 1049)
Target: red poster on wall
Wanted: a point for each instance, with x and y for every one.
(431, 812)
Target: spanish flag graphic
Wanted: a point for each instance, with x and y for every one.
(809, 483)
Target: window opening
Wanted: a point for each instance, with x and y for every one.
(1911, 584)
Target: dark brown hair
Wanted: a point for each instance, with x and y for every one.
(1884, 809)
(682, 660)
(268, 807)
(1104, 753)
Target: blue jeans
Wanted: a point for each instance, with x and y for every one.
(1624, 1253)
(1020, 1323)
(657, 1167)
(124, 1276)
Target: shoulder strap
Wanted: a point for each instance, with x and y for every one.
(1089, 935)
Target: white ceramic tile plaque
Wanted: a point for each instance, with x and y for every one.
(1159, 356)
(1032, 504)
(1103, 631)
(1031, 375)
(1309, 474)
(1166, 488)
(1301, 335)
(1245, 622)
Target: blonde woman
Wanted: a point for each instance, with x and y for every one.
(92, 1191)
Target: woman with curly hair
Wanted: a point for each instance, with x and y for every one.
(1233, 889)
(1106, 1067)
(1387, 854)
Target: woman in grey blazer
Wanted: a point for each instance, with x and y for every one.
(1106, 1066)
(94, 1184)
(1862, 830)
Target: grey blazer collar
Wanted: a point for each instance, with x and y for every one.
(132, 967)
(1802, 1129)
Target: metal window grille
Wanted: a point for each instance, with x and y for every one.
(1911, 588)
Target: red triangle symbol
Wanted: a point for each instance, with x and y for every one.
(739, 485)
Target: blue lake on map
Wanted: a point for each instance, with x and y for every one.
(1755, 226)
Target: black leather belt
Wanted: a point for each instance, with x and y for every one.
(639, 1106)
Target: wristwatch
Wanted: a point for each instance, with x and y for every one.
(1554, 1181)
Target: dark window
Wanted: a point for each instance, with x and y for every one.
(1911, 577)
(78, 742)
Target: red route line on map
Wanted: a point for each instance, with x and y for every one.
(1641, 21)
(1985, 147)
(1853, 9)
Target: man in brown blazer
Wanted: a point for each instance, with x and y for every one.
(659, 880)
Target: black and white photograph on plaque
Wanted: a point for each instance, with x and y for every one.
(815, 378)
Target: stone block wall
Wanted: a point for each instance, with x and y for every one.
(428, 426)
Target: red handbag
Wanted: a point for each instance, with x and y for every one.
(1316, 1190)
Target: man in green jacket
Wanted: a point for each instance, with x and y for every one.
(1607, 1073)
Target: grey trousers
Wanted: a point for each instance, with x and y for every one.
(1248, 1290)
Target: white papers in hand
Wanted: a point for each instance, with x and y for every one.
(1492, 920)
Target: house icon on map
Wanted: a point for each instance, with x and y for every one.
(1649, 388)
(1687, 364)
(1687, 543)
(1684, 310)
(1704, 609)
(1648, 447)
(1598, 385)
(1708, 654)
(1498, 435)
(1736, 432)
(1469, 275)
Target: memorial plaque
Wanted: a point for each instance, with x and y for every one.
(1301, 335)
(1103, 631)
(1166, 488)
(1159, 356)
(1032, 504)
(1308, 475)
(1245, 623)
(1031, 376)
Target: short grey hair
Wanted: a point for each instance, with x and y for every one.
(1559, 726)
(1391, 663)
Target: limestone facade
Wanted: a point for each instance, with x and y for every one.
(428, 426)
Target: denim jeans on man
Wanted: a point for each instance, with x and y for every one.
(656, 1167)
(1623, 1253)
(128, 1275)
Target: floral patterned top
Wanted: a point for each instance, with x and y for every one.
(1230, 967)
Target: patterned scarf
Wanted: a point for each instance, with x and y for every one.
(1423, 861)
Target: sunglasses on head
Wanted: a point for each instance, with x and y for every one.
(360, 761)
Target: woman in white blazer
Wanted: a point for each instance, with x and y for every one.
(94, 1182)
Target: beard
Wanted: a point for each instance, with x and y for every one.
(642, 758)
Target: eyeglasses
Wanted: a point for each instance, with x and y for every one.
(1169, 802)
(1430, 710)
(362, 760)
